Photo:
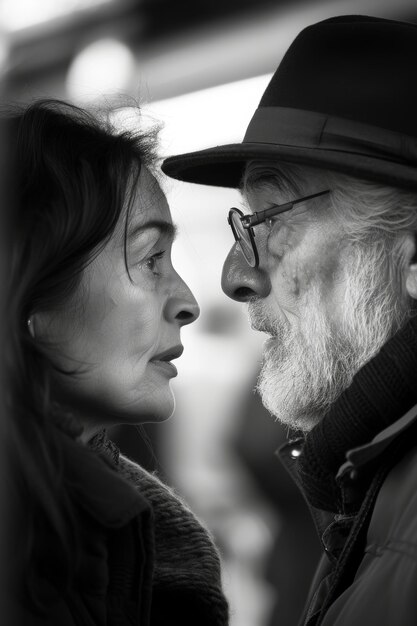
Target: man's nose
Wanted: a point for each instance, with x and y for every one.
(242, 282)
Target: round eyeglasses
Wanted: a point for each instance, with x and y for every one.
(242, 225)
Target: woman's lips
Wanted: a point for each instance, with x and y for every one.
(166, 366)
(169, 354)
(163, 359)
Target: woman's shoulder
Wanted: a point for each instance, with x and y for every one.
(169, 508)
(187, 563)
(150, 484)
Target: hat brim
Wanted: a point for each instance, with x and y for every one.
(223, 166)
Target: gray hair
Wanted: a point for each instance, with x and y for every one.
(315, 360)
(369, 213)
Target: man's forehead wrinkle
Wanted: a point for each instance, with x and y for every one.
(282, 177)
(259, 197)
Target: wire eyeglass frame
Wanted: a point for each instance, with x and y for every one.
(247, 223)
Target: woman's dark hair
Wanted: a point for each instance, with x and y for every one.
(71, 175)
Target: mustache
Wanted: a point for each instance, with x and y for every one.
(260, 319)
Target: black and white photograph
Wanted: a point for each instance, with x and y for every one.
(208, 279)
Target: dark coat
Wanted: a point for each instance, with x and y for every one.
(368, 573)
(113, 519)
(145, 560)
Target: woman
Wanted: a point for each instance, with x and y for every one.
(95, 312)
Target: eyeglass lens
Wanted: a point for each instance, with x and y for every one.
(243, 239)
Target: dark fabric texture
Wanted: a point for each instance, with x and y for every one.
(372, 576)
(112, 520)
(381, 392)
(343, 97)
(145, 560)
(186, 582)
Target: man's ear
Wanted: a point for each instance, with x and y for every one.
(411, 267)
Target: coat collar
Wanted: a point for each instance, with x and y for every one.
(359, 457)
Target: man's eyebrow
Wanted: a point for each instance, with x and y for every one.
(167, 229)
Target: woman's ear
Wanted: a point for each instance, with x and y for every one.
(411, 281)
(31, 326)
(411, 267)
(38, 323)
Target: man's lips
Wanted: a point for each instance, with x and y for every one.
(263, 329)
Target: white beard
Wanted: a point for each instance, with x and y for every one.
(306, 367)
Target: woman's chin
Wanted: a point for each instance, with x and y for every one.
(158, 408)
(107, 410)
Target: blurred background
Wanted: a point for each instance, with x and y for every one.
(199, 68)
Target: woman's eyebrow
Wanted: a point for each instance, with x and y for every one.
(167, 229)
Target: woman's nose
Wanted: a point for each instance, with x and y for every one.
(182, 306)
(242, 282)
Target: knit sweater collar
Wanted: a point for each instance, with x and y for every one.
(381, 392)
(103, 445)
(186, 583)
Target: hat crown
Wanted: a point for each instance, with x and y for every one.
(354, 67)
(344, 98)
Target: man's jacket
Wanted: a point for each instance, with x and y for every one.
(368, 573)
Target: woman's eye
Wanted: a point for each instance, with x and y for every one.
(151, 263)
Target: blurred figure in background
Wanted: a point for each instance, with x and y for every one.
(95, 312)
(255, 441)
(327, 262)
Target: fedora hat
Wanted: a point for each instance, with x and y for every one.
(343, 98)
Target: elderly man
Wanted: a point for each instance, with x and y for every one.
(326, 261)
